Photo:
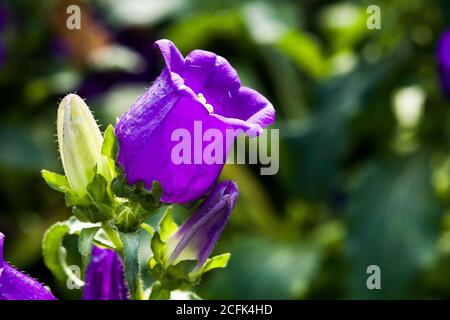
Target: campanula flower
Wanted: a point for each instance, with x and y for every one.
(201, 88)
(105, 279)
(443, 58)
(197, 236)
(16, 285)
(80, 143)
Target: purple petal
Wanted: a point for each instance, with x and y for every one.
(212, 75)
(197, 237)
(15, 285)
(144, 135)
(105, 279)
(145, 130)
(443, 57)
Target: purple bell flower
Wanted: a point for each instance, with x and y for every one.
(201, 88)
(197, 236)
(443, 58)
(15, 285)
(105, 279)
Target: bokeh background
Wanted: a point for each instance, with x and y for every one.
(364, 134)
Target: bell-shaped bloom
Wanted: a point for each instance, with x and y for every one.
(105, 279)
(15, 285)
(443, 58)
(200, 95)
(197, 236)
(80, 143)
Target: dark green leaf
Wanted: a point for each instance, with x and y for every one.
(85, 244)
(130, 243)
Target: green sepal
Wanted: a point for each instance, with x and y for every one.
(216, 262)
(110, 147)
(98, 189)
(167, 226)
(148, 199)
(56, 181)
(158, 249)
(95, 212)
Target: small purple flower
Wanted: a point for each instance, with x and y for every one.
(15, 285)
(105, 279)
(201, 88)
(443, 57)
(197, 236)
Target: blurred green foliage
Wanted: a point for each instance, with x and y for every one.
(364, 146)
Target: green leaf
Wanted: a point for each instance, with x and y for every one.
(216, 262)
(85, 244)
(51, 249)
(110, 145)
(56, 181)
(158, 249)
(167, 226)
(393, 223)
(130, 243)
(54, 253)
(145, 254)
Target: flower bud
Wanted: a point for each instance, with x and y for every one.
(105, 278)
(80, 143)
(197, 236)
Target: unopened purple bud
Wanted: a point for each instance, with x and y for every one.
(197, 236)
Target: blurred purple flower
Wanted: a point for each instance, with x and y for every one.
(3, 22)
(15, 285)
(105, 279)
(197, 236)
(443, 57)
(203, 87)
(3, 17)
